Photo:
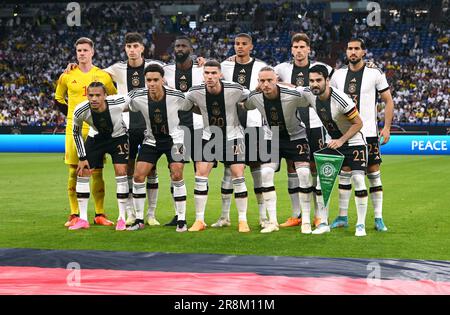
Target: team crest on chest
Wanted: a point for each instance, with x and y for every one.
(352, 86)
(215, 109)
(183, 84)
(158, 116)
(242, 77)
(273, 114)
(300, 81)
(135, 79)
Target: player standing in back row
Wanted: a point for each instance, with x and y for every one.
(362, 83)
(129, 75)
(244, 70)
(182, 75)
(71, 90)
(296, 72)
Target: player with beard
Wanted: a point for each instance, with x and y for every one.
(296, 72)
(182, 75)
(340, 116)
(363, 82)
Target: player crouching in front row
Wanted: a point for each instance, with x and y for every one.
(107, 134)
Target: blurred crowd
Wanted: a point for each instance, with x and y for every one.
(411, 50)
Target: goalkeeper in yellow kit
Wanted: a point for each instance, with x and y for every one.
(73, 86)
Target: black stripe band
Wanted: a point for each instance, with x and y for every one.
(295, 190)
(200, 192)
(153, 186)
(258, 190)
(226, 191)
(83, 195)
(361, 193)
(345, 187)
(180, 198)
(122, 196)
(243, 194)
(305, 190)
(318, 192)
(375, 189)
(139, 196)
(268, 189)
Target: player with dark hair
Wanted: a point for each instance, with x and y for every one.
(107, 134)
(216, 100)
(340, 116)
(129, 75)
(363, 83)
(182, 75)
(296, 72)
(244, 70)
(159, 106)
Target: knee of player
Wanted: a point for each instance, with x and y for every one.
(359, 182)
(176, 174)
(373, 168)
(237, 171)
(290, 167)
(304, 176)
(267, 174)
(85, 173)
(120, 169)
(139, 178)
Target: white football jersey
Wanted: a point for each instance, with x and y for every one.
(247, 76)
(109, 123)
(362, 86)
(127, 79)
(160, 117)
(183, 82)
(286, 73)
(335, 114)
(220, 110)
(280, 112)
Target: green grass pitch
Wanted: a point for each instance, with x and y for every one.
(34, 207)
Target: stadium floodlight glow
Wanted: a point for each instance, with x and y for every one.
(299, 16)
(17, 10)
(350, 9)
(179, 12)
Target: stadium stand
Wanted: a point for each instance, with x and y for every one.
(410, 46)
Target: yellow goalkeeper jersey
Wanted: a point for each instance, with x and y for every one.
(73, 85)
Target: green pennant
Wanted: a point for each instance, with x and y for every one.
(328, 168)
